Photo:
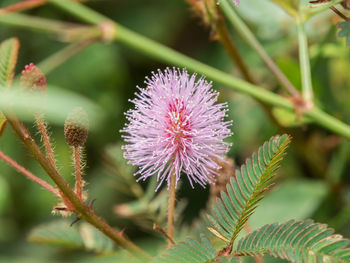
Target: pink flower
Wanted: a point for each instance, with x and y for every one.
(176, 127)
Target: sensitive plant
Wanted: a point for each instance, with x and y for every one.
(176, 128)
(176, 132)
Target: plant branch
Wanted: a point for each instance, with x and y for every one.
(304, 62)
(335, 10)
(249, 37)
(66, 32)
(58, 58)
(27, 4)
(158, 51)
(28, 174)
(84, 211)
(22, 5)
(230, 47)
(314, 9)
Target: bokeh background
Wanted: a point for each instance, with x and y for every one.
(313, 181)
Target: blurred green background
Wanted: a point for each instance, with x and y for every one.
(314, 178)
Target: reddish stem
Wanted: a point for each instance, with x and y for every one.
(161, 230)
(31, 176)
(27, 4)
(22, 5)
(335, 10)
(46, 139)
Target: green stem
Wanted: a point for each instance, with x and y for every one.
(58, 58)
(230, 47)
(36, 23)
(165, 54)
(304, 63)
(83, 211)
(315, 9)
(244, 31)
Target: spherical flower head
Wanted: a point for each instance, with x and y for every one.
(176, 128)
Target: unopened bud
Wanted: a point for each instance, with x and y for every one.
(225, 173)
(33, 78)
(76, 127)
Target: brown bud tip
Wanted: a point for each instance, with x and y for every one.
(33, 78)
(76, 127)
(225, 173)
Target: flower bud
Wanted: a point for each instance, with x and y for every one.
(33, 78)
(76, 127)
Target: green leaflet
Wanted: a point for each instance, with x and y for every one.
(82, 236)
(296, 241)
(245, 190)
(8, 59)
(192, 251)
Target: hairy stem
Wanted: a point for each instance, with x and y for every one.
(46, 139)
(171, 209)
(31, 176)
(78, 178)
(249, 37)
(304, 62)
(84, 211)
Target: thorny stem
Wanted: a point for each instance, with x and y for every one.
(171, 209)
(247, 34)
(40, 122)
(31, 176)
(78, 179)
(84, 211)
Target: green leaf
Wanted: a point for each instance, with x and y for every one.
(246, 189)
(8, 59)
(296, 241)
(56, 105)
(344, 31)
(297, 199)
(191, 251)
(82, 236)
(57, 233)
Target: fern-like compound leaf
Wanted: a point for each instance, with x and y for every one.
(245, 190)
(296, 241)
(192, 251)
(8, 59)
